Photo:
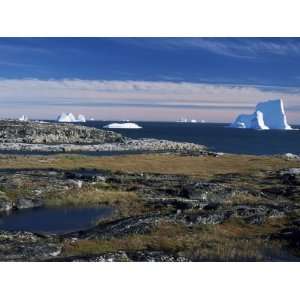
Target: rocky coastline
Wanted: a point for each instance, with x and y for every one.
(142, 145)
(61, 138)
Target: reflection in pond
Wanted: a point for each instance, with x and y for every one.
(53, 220)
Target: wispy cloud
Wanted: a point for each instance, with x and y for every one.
(233, 47)
(50, 97)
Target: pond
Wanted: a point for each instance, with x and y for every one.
(53, 219)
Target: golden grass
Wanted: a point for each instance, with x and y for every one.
(88, 196)
(125, 202)
(202, 167)
(224, 242)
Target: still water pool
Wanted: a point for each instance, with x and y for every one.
(53, 220)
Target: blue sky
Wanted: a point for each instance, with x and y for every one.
(147, 78)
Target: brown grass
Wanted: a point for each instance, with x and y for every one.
(224, 242)
(203, 167)
(125, 202)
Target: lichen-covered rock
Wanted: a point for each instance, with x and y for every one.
(5, 203)
(27, 246)
(54, 133)
(100, 145)
(27, 203)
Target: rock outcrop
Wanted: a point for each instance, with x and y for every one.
(53, 133)
(129, 145)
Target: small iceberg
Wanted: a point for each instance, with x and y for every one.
(267, 115)
(186, 120)
(70, 118)
(182, 120)
(23, 118)
(123, 126)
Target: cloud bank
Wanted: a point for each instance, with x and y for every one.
(138, 100)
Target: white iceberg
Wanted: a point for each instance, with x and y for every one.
(81, 118)
(186, 120)
(182, 120)
(122, 126)
(23, 118)
(268, 115)
(258, 121)
(70, 118)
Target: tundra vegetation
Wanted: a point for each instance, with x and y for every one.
(168, 207)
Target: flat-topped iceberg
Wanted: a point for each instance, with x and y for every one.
(70, 118)
(267, 115)
(123, 126)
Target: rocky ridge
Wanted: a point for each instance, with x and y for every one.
(57, 138)
(30, 132)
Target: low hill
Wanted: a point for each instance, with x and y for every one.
(54, 133)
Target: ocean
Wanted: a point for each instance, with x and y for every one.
(217, 137)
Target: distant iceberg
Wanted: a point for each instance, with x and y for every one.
(81, 118)
(182, 120)
(186, 120)
(268, 115)
(122, 126)
(23, 118)
(70, 118)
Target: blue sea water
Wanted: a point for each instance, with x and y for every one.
(218, 137)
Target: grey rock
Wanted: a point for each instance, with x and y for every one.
(128, 145)
(27, 246)
(5, 203)
(291, 171)
(75, 183)
(291, 156)
(24, 203)
(122, 256)
(54, 133)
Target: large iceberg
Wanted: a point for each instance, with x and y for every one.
(268, 115)
(122, 126)
(70, 118)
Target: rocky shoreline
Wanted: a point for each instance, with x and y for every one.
(69, 138)
(145, 145)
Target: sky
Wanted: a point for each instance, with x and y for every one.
(156, 79)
